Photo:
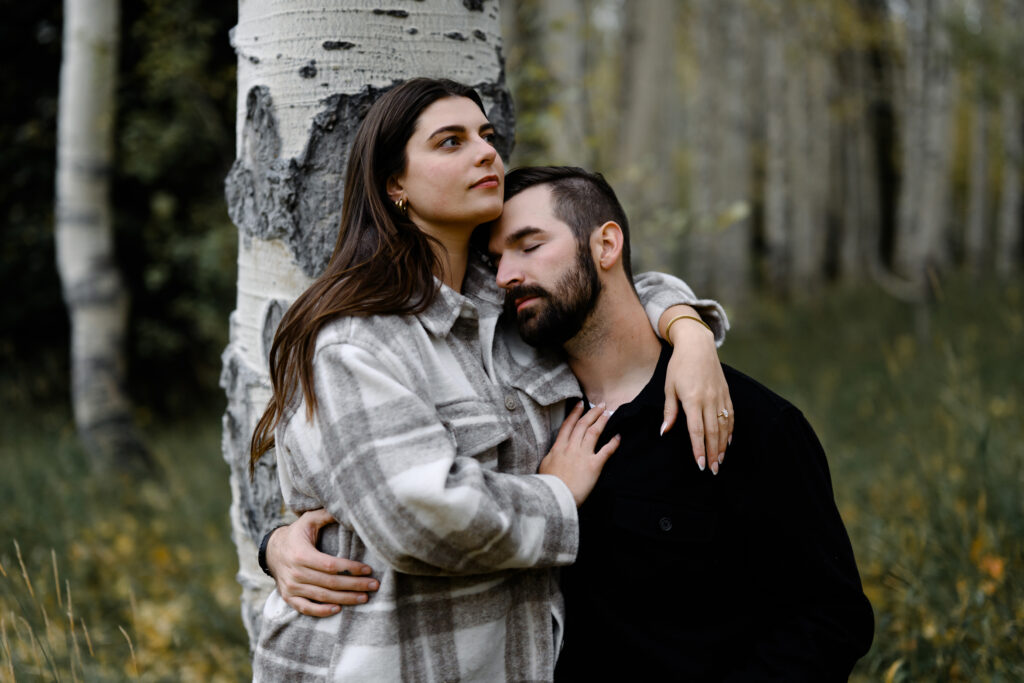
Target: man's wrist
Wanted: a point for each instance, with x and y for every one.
(262, 555)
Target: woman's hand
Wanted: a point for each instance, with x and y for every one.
(695, 378)
(572, 458)
(312, 582)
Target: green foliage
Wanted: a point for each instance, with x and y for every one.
(926, 448)
(174, 242)
(151, 559)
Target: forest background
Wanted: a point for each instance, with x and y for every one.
(844, 176)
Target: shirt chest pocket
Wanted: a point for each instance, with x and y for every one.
(476, 428)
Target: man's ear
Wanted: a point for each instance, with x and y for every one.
(608, 240)
(394, 189)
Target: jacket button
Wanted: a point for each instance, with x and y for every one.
(510, 402)
(665, 523)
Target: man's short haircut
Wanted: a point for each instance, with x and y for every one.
(582, 200)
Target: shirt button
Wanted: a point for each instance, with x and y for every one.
(510, 402)
(665, 523)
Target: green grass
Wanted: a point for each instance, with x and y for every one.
(924, 436)
(926, 445)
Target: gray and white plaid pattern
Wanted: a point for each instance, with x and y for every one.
(425, 447)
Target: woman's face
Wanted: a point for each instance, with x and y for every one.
(453, 177)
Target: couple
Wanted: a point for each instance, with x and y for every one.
(412, 413)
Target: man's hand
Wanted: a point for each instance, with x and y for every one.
(695, 378)
(312, 582)
(572, 458)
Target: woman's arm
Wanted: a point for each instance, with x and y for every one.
(381, 461)
(694, 375)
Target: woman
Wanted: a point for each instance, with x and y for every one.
(401, 409)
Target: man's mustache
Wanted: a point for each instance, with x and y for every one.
(522, 292)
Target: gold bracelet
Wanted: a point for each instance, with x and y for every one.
(680, 317)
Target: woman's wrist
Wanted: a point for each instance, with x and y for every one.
(680, 317)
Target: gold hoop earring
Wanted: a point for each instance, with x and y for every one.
(403, 206)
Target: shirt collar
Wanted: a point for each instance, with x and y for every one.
(481, 297)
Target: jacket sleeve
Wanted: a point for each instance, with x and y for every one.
(820, 622)
(658, 292)
(379, 458)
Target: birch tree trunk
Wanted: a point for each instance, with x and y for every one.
(1010, 228)
(645, 173)
(307, 73)
(976, 239)
(565, 58)
(93, 290)
(926, 125)
(776, 180)
(1010, 221)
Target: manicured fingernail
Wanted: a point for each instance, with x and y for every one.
(714, 467)
(700, 463)
(607, 413)
(373, 585)
(721, 457)
(664, 426)
(729, 441)
(362, 598)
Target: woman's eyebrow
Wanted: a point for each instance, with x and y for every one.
(457, 128)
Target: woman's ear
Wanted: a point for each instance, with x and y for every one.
(609, 244)
(394, 189)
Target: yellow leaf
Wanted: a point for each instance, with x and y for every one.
(890, 673)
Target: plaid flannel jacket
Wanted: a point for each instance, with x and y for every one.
(425, 446)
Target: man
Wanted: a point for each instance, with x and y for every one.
(787, 603)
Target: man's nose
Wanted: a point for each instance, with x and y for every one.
(508, 275)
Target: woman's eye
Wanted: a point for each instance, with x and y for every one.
(531, 248)
(491, 138)
(450, 141)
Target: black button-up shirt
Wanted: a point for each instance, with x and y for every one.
(682, 575)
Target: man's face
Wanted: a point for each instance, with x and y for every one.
(550, 280)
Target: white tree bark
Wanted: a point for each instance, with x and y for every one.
(1009, 226)
(1010, 229)
(565, 58)
(776, 215)
(926, 125)
(95, 295)
(307, 72)
(648, 130)
(976, 236)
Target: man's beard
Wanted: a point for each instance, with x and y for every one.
(557, 317)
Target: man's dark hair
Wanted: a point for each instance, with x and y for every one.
(581, 199)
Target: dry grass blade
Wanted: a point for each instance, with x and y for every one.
(131, 649)
(73, 635)
(88, 640)
(7, 647)
(56, 577)
(3, 572)
(24, 572)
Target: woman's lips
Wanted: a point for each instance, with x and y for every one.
(490, 181)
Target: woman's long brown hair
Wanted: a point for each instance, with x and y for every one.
(382, 263)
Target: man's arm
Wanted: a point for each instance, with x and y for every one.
(815, 620)
(314, 583)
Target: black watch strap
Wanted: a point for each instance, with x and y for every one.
(262, 556)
